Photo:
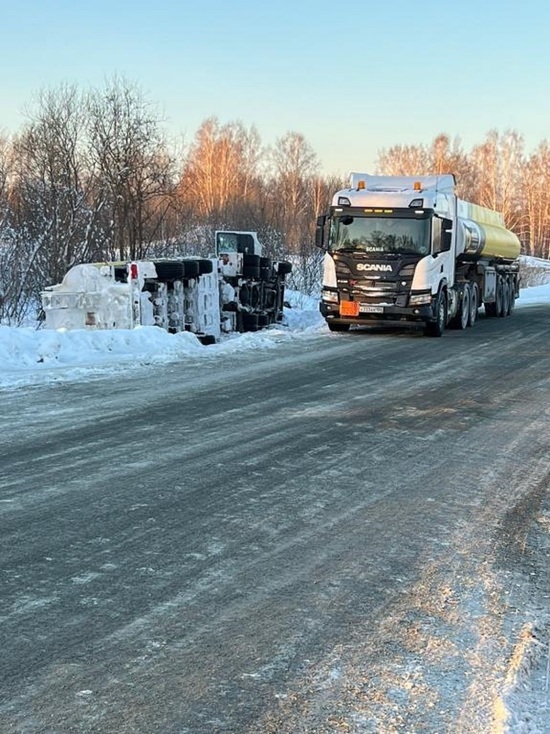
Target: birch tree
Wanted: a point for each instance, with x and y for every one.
(134, 168)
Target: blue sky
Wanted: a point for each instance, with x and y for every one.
(353, 77)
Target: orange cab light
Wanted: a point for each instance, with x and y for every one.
(360, 185)
(417, 186)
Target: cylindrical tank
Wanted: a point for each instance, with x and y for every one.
(483, 235)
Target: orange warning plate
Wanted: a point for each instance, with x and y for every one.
(349, 308)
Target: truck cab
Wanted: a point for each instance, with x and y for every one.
(389, 245)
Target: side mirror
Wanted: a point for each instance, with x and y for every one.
(320, 232)
(443, 242)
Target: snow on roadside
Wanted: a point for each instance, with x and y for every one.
(30, 356)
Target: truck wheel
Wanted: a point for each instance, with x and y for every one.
(465, 308)
(512, 306)
(437, 327)
(499, 297)
(250, 322)
(505, 307)
(251, 266)
(474, 304)
(266, 266)
(284, 267)
(491, 309)
(462, 318)
(176, 269)
(205, 266)
(244, 295)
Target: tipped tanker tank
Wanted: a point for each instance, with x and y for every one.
(407, 249)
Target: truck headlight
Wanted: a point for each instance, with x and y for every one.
(329, 296)
(420, 299)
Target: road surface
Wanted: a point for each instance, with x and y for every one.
(342, 534)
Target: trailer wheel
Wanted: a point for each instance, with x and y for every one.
(474, 303)
(512, 305)
(337, 327)
(491, 309)
(437, 327)
(505, 304)
(499, 297)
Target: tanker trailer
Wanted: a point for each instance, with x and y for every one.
(407, 249)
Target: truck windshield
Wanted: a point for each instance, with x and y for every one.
(399, 234)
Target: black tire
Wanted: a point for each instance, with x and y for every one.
(512, 298)
(263, 320)
(205, 266)
(250, 322)
(505, 309)
(491, 309)
(266, 268)
(244, 295)
(251, 271)
(337, 327)
(176, 269)
(253, 260)
(284, 267)
(206, 339)
(499, 297)
(474, 304)
(462, 318)
(437, 327)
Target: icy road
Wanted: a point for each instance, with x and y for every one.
(343, 534)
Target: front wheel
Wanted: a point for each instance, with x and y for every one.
(437, 327)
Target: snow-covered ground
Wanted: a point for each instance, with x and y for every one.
(30, 356)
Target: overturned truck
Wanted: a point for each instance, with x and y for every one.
(237, 289)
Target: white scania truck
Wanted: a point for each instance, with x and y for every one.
(407, 249)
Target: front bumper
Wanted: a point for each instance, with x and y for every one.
(418, 314)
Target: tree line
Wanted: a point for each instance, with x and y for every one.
(92, 177)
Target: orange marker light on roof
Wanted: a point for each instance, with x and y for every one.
(417, 186)
(360, 185)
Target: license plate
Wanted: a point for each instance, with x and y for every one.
(365, 308)
(349, 308)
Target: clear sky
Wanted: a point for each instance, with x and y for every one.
(353, 77)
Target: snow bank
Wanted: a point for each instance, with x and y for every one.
(29, 356)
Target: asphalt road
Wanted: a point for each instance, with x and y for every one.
(330, 536)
